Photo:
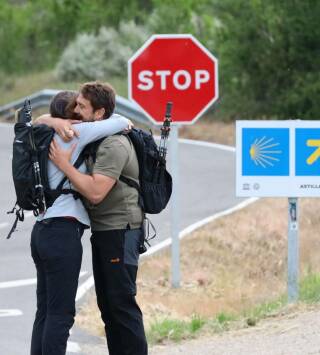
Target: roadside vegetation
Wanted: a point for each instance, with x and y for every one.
(233, 274)
(267, 50)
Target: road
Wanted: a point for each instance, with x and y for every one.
(207, 186)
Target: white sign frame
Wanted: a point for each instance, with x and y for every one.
(275, 186)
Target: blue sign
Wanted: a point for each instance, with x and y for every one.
(307, 151)
(265, 151)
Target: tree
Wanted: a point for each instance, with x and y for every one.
(269, 58)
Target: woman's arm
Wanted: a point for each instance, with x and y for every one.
(92, 131)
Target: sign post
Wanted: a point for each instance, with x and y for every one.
(280, 159)
(176, 68)
(293, 251)
(175, 207)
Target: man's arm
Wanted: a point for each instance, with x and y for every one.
(95, 188)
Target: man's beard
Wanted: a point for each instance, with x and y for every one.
(78, 116)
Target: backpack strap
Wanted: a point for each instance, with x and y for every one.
(136, 186)
(59, 190)
(19, 217)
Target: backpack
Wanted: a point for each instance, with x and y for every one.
(155, 182)
(29, 168)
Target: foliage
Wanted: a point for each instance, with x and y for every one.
(34, 33)
(268, 51)
(268, 54)
(100, 56)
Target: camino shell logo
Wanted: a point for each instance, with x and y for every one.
(264, 152)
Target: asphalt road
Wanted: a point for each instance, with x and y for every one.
(207, 186)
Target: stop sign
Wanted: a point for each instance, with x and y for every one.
(176, 68)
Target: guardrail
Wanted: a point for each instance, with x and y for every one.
(42, 99)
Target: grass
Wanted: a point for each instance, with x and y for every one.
(310, 289)
(176, 330)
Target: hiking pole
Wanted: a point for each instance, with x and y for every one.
(25, 116)
(165, 130)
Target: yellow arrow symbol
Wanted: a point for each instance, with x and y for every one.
(316, 154)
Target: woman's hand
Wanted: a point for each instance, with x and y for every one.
(65, 129)
(62, 127)
(129, 128)
(60, 157)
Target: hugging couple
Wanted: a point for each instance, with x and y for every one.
(108, 205)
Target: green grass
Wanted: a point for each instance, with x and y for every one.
(16, 87)
(177, 330)
(265, 309)
(174, 329)
(310, 289)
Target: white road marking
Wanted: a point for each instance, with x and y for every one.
(10, 313)
(82, 289)
(73, 347)
(26, 282)
(208, 144)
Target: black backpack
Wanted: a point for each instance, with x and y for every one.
(29, 168)
(155, 182)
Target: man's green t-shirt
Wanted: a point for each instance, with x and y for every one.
(116, 156)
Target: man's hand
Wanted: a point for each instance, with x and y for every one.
(60, 157)
(62, 127)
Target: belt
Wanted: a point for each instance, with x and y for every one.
(53, 219)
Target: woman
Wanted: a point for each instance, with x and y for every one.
(56, 237)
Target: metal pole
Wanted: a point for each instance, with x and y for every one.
(293, 250)
(175, 206)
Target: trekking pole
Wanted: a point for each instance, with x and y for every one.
(26, 117)
(165, 130)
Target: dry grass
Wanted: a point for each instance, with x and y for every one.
(210, 131)
(228, 266)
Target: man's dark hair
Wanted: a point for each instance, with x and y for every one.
(100, 95)
(63, 104)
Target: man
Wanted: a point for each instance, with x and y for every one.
(116, 220)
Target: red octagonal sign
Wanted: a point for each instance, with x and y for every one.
(175, 68)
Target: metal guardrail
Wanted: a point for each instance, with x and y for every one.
(42, 98)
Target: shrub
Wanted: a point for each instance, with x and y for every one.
(91, 57)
